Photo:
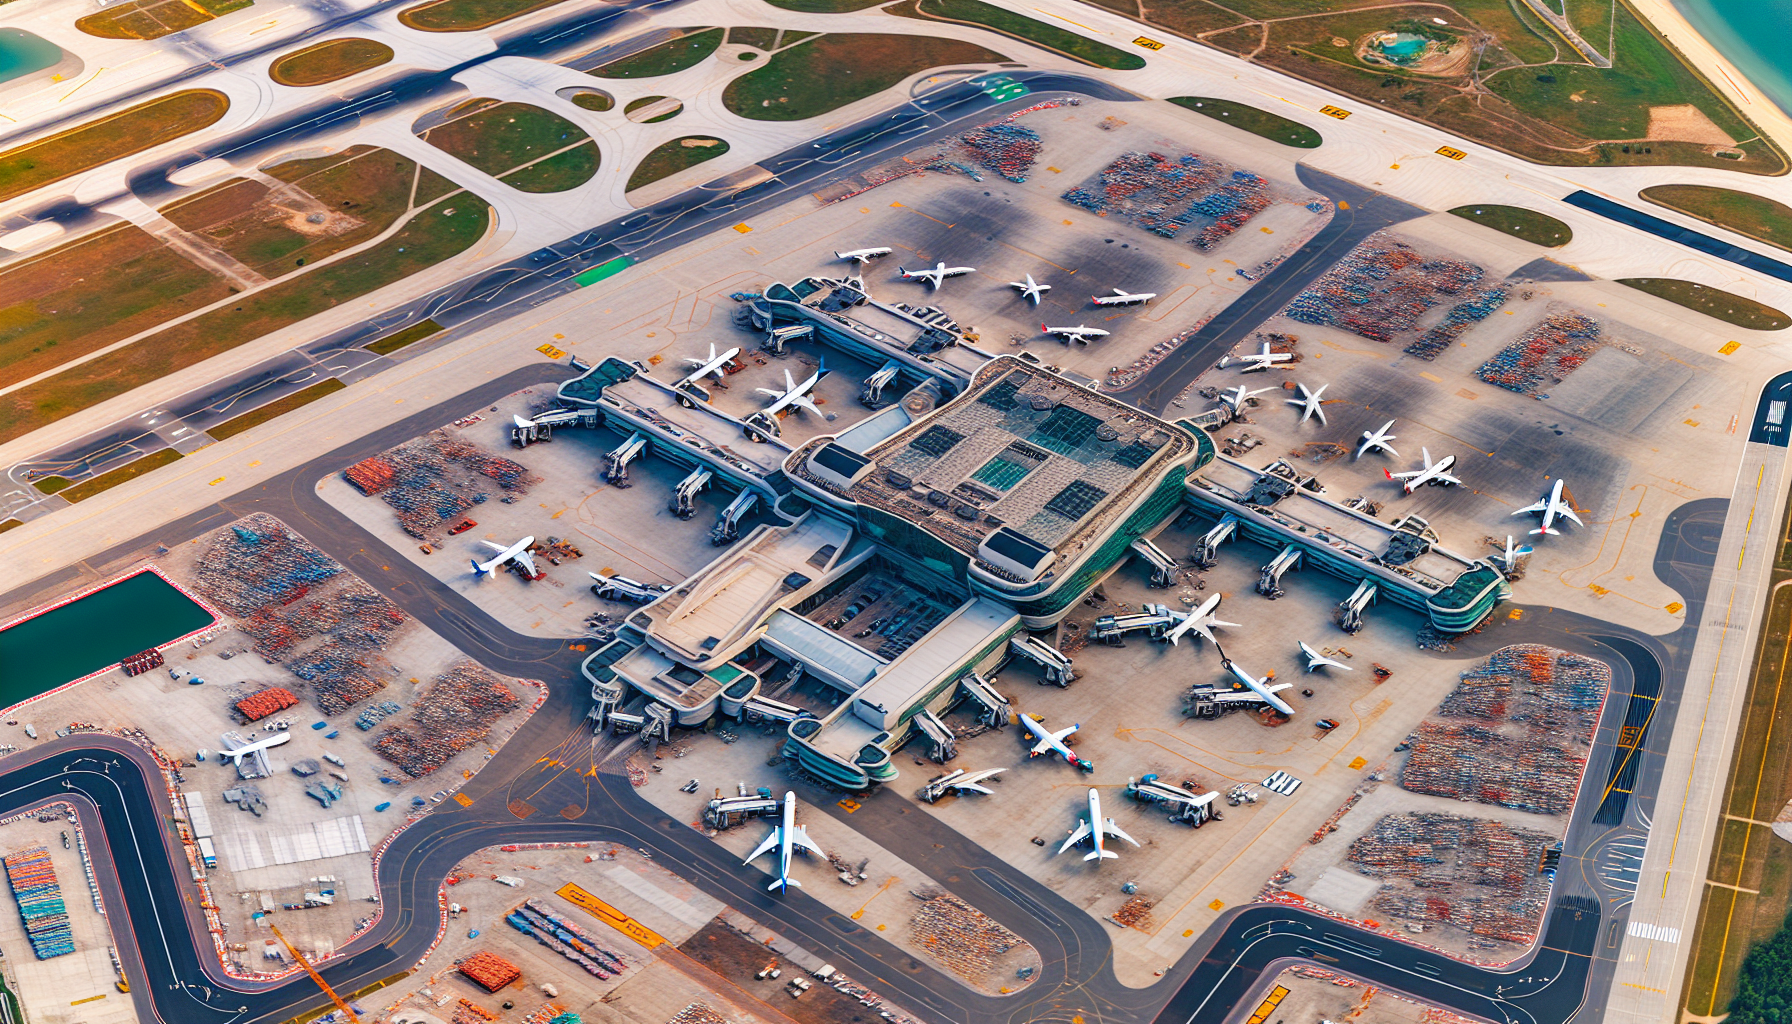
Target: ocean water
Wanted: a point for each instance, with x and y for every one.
(22, 53)
(1752, 34)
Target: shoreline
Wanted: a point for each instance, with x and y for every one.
(1723, 75)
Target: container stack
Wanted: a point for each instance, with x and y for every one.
(489, 971)
(141, 662)
(34, 885)
(435, 477)
(262, 703)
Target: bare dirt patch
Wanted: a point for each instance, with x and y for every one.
(1685, 123)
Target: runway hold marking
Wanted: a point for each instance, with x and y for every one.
(1149, 44)
(1454, 154)
(610, 915)
(463, 799)
(1337, 112)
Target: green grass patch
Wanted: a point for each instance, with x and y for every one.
(414, 333)
(433, 235)
(759, 38)
(279, 407)
(12, 524)
(791, 37)
(52, 484)
(467, 15)
(564, 170)
(431, 187)
(123, 474)
(132, 130)
(153, 19)
(687, 51)
(1531, 226)
(1019, 26)
(830, 71)
(669, 158)
(825, 6)
(329, 61)
(1713, 302)
(1757, 217)
(593, 100)
(643, 102)
(601, 271)
(498, 138)
(1273, 127)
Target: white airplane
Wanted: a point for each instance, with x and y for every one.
(1031, 289)
(787, 836)
(1096, 828)
(937, 276)
(1377, 439)
(1235, 397)
(961, 781)
(1317, 660)
(1513, 553)
(1070, 334)
(518, 552)
(1052, 742)
(1199, 622)
(1260, 687)
(794, 394)
(237, 754)
(1551, 507)
(1122, 297)
(711, 367)
(1435, 473)
(862, 255)
(1309, 402)
(1259, 360)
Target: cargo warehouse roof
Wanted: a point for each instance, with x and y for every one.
(1023, 464)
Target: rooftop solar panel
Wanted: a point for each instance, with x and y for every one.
(936, 440)
(1075, 501)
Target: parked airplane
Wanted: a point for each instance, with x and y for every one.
(862, 255)
(1309, 402)
(1121, 297)
(1435, 473)
(1031, 289)
(1259, 360)
(1199, 622)
(1551, 506)
(1513, 553)
(787, 836)
(794, 394)
(960, 781)
(1095, 829)
(1260, 687)
(1317, 660)
(518, 552)
(236, 754)
(1070, 334)
(1235, 397)
(711, 367)
(1377, 439)
(937, 276)
(1052, 742)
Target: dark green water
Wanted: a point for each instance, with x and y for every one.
(21, 53)
(101, 629)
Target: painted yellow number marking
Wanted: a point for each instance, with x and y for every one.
(1454, 154)
(1149, 44)
(1336, 112)
(550, 351)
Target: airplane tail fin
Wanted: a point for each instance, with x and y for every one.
(1388, 473)
(1552, 531)
(1101, 855)
(478, 570)
(783, 883)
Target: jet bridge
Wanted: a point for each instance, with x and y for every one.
(1350, 610)
(527, 431)
(872, 394)
(1153, 620)
(939, 736)
(727, 528)
(1207, 549)
(993, 709)
(684, 496)
(1269, 584)
(778, 337)
(616, 471)
(1185, 805)
(1163, 568)
(1051, 661)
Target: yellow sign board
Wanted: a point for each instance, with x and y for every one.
(550, 351)
(1336, 112)
(1729, 347)
(610, 915)
(1149, 44)
(1454, 154)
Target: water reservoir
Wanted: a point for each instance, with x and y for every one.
(22, 53)
(63, 644)
(1400, 47)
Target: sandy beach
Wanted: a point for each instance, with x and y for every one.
(1713, 65)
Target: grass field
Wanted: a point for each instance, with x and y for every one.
(11, 524)
(435, 234)
(1019, 26)
(1525, 92)
(1749, 856)
(1757, 217)
(357, 193)
(123, 474)
(499, 138)
(153, 19)
(675, 156)
(760, 38)
(279, 407)
(674, 55)
(467, 15)
(1714, 302)
(1273, 127)
(329, 61)
(87, 294)
(648, 101)
(830, 71)
(825, 6)
(133, 130)
(595, 99)
(566, 169)
(414, 333)
(1536, 228)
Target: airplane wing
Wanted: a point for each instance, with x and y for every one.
(1408, 475)
(806, 403)
(1042, 746)
(774, 392)
(1113, 830)
(495, 546)
(1062, 734)
(1529, 509)
(1448, 479)
(972, 787)
(1278, 688)
(1174, 636)
(1081, 832)
(802, 841)
(527, 560)
(771, 842)
(1565, 511)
